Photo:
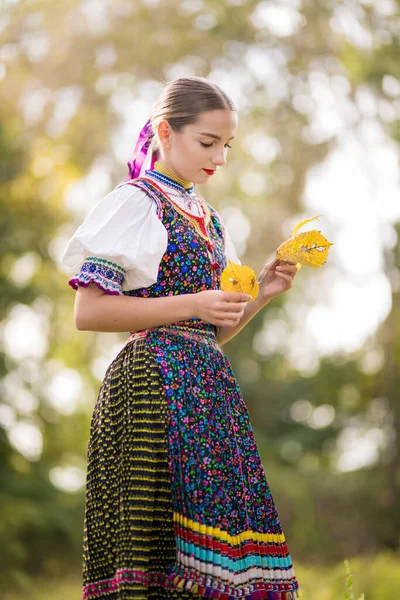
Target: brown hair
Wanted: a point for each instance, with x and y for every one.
(183, 100)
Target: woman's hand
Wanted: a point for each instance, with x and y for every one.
(275, 278)
(223, 309)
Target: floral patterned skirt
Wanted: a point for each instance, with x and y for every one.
(177, 503)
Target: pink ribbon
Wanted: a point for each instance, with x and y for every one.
(140, 152)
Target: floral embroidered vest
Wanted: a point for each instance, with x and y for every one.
(195, 255)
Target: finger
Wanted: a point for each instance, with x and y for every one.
(268, 267)
(225, 322)
(234, 307)
(228, 323)
(285, 276)
(231, 316)
(287, 269)
(236, 297)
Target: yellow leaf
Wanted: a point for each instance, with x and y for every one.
(309, 248)
(300, 225)
(239, 278)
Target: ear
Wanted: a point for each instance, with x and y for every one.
(164, 132)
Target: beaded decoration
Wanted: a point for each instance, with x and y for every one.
(162, 170)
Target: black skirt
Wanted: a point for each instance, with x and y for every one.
(128, 515)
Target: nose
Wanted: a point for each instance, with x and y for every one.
(219, 157)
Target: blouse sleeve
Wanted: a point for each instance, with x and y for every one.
(230, 251)
(119, 245)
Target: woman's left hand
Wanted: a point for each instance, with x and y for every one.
(275, 278)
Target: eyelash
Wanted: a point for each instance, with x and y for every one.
(209, 145)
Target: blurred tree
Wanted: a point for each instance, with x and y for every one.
(79, 79)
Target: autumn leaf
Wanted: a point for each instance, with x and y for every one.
(309, 248)
(239, 278)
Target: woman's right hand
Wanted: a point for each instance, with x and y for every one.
(223, 309)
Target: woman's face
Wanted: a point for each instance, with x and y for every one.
(200, 147)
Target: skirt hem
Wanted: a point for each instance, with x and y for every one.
(211, 587)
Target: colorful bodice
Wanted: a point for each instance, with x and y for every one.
(195, 254)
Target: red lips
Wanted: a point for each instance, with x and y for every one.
(209, 171)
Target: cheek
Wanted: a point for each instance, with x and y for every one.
(190, 150)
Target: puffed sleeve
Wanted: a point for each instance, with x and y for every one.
(229, 247)
(119, 245)
(230, 251)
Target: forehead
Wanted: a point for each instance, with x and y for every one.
(221, 122)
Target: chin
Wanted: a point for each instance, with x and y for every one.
(202, 178)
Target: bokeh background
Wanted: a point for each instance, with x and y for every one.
(316, 84)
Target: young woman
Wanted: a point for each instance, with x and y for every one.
(177, 502)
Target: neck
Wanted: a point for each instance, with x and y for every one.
(168, 173)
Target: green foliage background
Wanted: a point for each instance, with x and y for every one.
(72, 77)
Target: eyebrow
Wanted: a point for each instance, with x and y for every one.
(216, 137)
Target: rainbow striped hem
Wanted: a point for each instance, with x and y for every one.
(184, 580)
(211, 563)
(246, 563)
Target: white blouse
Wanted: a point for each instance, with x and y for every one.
(123, 229)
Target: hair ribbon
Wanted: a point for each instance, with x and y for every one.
(140, 152)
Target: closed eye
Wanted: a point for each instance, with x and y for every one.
(209, 145)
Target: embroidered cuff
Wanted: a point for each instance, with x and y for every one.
(107, 275)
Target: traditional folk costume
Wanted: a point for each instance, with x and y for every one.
(177, 502)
